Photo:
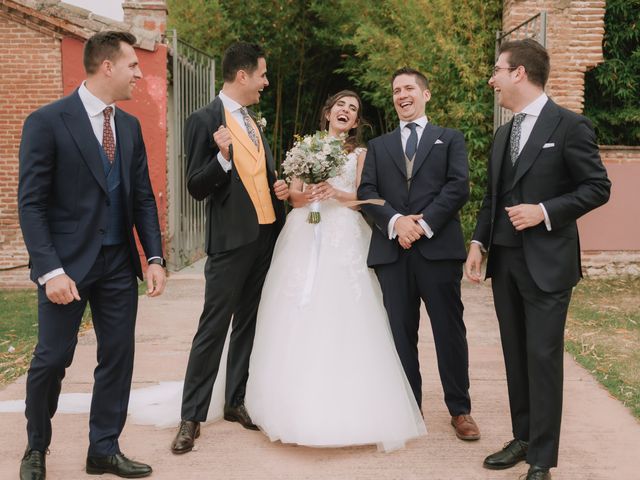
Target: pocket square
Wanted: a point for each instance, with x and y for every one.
(438, 141)
(548, 145)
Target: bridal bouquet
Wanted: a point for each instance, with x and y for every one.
(313, 159)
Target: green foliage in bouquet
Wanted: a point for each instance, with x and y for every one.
(315, 158)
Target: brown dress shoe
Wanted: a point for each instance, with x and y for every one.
(239, 414)
(466, 428)
(186, 437)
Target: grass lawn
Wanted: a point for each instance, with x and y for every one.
(603, 335)
(19, 330)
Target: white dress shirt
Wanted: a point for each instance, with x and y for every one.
(421, 123)
(234, 108)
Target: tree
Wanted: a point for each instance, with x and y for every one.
(612, 89)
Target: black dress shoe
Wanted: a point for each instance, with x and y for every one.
(186, 437)
(538, 473)
(33, 465)
(239, 414)
(513, 452)
(117, 464)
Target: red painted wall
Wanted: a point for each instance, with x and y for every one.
(149, 104)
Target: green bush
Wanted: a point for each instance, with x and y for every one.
(612, 89)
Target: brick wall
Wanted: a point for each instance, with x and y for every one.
(574, 40)
(30, 77)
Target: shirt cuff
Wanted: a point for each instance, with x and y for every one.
(48, 276)
(427, 229)
(547, 222)
(392, 226)
(151, 258)
(224, 163)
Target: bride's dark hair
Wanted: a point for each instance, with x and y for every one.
(354, 136)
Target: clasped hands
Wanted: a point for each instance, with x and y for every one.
(408, 230)
(316, 192)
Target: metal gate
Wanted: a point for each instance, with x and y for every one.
(191, 86)
(536, 28)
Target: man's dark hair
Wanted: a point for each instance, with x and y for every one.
(532, 56)
(104, 46)
(421, 79)
(240, 56)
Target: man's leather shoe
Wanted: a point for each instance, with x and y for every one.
(118, 465)
(466, 427)
(538, 473)
(239, 414)
(186, 437)
(33, 465)
(513, 452)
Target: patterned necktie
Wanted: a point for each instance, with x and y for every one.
(108, 142)
(412, 142)
(516, 129)
(249, 124)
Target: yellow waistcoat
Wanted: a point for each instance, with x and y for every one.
(251, 165)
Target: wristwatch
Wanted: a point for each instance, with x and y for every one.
(158, 261)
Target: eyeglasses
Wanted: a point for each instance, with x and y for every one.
(496, 69)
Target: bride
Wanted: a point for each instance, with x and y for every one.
(324, 371)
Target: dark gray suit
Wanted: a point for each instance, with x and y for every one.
(533, 271)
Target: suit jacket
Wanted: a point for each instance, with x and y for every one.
(439, 188)
(231, 216)
(62, 192)
(560, 167)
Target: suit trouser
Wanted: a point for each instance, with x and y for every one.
(111, 290)
(532, 333)
(437, 282)
(234, 282)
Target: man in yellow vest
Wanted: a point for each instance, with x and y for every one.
(230, 165)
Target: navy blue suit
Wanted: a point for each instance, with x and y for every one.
(65, 213)
(431, 269)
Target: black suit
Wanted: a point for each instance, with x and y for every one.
(64, 209)
(239, 253)
(431, 268)
(533, 271)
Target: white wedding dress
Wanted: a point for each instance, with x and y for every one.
(324, 371)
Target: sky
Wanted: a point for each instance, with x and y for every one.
(106, 8)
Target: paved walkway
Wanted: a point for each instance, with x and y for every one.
(600, 438)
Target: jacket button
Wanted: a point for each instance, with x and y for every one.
(102, 231)
(108, 202)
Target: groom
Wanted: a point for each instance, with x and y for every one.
(417, 247)
(230, 165)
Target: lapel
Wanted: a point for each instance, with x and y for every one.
(498, 153)
(429, 136)
(393, 143)
(124, 142)
(542, 130)
(78, 124)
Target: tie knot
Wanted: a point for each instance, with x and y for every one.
(107, 112)
(518, 118)
(244, 111)
(411, 126)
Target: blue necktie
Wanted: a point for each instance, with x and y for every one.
(412, 142)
